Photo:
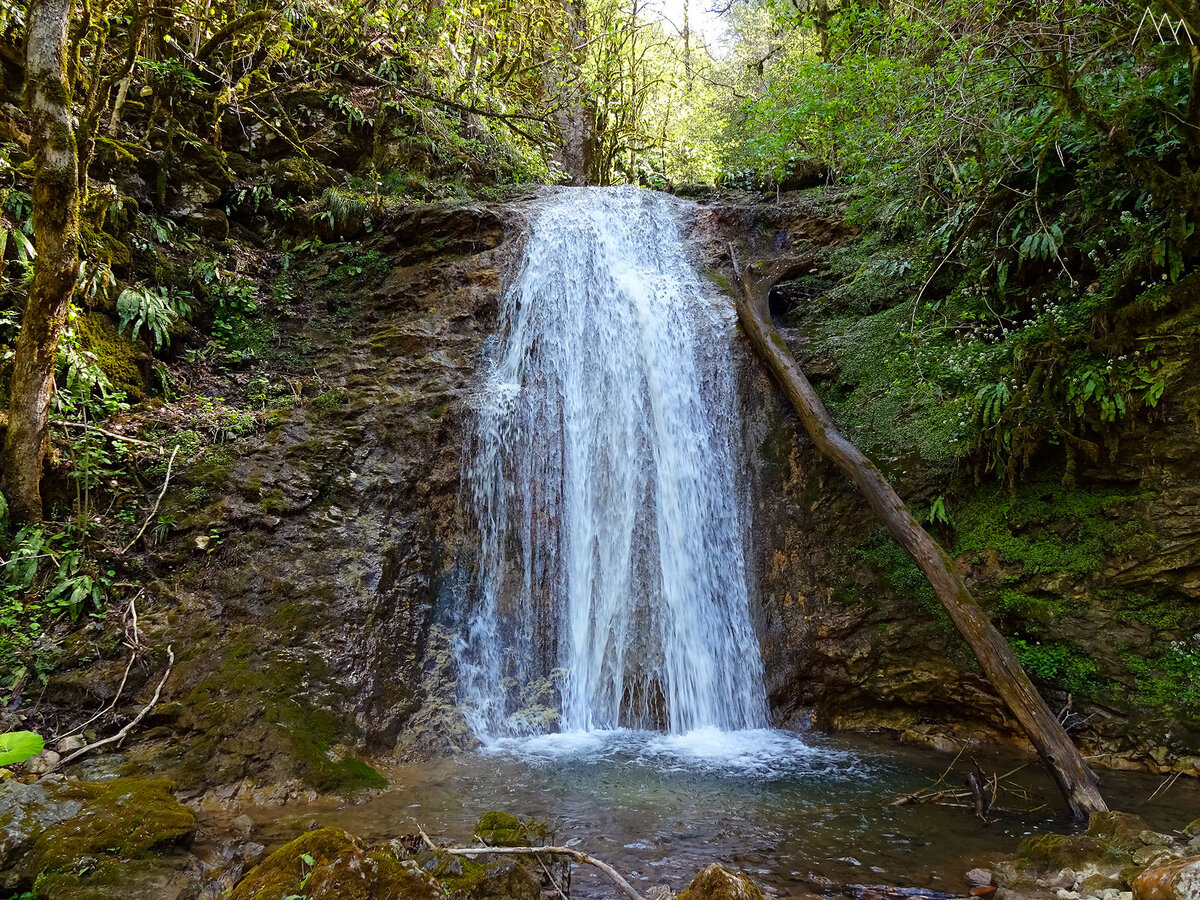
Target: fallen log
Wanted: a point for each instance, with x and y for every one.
(1078, 783)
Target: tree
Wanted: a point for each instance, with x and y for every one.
(1078, 784)
(56, 227)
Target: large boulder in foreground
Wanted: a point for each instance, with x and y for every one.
(94, 840)
(1178, 879)
(330, 864)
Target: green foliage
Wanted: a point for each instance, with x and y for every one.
(48, 580)
(153, 309)
(1043, 527)
(1034, 196)
(18, 746)
(1060, 665)
(902, 574)
(1167, 679)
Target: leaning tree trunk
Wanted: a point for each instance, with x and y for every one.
(1079, 785)
(55, 231)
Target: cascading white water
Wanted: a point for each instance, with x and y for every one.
(602, 475)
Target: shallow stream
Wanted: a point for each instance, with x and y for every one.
(799, 814)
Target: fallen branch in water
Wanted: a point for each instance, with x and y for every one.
(573, 855)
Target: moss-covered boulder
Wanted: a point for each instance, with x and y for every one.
(27, 810)
(501, 829)
(92, 840)
(719, 883)
(1052, 852)
(1110, 842)
(330, 864)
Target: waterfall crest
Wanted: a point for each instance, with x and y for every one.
(612, 585)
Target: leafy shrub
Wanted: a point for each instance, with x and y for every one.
(153, 309)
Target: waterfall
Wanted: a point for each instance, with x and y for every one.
(612, 585)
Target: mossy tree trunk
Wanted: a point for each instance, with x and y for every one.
(574, 116)
(56, 232)
(1079, 785)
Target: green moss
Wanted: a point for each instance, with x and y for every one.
(117, 356)
(1166, 679)
(881, 398)
(1029, 609)
(715, 882)
(721, 280)
(214, 467)
(501, 829)
(1044, 527)
(274, 502)
(902, 574)
(259, 695)
(1060, 665)
(124, 819)
(330, 401)
(119, 149)
(329, 864)
(102, 246)
(1160, 613)
(1054, 852)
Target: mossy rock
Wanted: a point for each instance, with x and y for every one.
(501, 829)
(719, 883)
(126, 818)
(300, 177)
(121, 359)
(505, 879)
(103, 246)
(119, 835)
(1054, 852)
(1120, 829)
(340, 869)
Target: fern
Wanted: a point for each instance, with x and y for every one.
(152, 309)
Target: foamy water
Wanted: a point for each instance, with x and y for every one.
(762, 753)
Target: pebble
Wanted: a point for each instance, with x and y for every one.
(979, 877)
(70, 743)
(42, 763)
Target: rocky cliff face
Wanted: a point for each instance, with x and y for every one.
(298, 579)
(1096, 583)
(310, 554)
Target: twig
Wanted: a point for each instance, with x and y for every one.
(551, 879)
(1166, 785)
(154, 511)
(573, 855)
(109, 708)
(109, 434)
(124, 732)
